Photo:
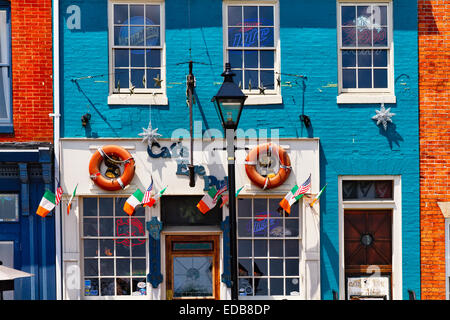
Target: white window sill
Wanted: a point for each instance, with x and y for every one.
(359, 98)
(263, 99)
(138, 99)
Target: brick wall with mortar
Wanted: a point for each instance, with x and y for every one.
(350, 142)
(32, 68)
(434, 93)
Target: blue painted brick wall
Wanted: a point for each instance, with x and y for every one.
(350, 142)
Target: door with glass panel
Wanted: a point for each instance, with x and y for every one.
(192, 267)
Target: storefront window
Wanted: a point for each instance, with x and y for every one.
(114, 248)
(9, 207)
(268, 248)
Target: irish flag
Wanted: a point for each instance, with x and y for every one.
(208, 201)
(155, 198)
(47, 204)
(69, 206)
(295, 194)
(134, 200)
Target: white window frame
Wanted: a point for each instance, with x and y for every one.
(140, 96)
(6, 124)
(396, 206)
(301, 254)
(254, 95)
(82, 258)
(366, 95)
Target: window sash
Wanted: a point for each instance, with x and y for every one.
(388, 48)
(5, 69)
(149, 81)
(275, 48)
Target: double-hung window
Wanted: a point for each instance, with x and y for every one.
(136, 51)
(6, 122)
(251, 46)
(365, 49)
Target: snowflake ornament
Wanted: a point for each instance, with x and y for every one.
(150, 135)
(383, 116)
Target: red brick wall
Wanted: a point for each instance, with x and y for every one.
(31, 32)
(434, 88)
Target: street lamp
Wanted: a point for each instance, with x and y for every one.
(229, 102)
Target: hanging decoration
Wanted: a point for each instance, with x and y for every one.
(268, 166)
(383, 116)
(150, 135)
(114, 158)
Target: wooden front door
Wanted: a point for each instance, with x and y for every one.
(192, 267)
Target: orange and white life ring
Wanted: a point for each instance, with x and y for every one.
(109, 152)
(273, 180)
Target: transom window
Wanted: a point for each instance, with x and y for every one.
(365, 47)
(137, 47)
(114, 249)
(251, 33)
(268, 248)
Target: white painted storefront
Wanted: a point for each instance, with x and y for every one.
(303, 283)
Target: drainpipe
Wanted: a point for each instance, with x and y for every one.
(56, 135)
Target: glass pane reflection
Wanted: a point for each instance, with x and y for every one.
(192, 276)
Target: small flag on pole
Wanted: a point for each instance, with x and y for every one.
(69, 205)
(155, 198)
(133, 201)
(209, 200)
(318, 196)
(59, 192)
(226, 197)
(294, 195)
(148, 194)
(47, 204)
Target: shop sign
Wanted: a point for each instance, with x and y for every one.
(368, 287)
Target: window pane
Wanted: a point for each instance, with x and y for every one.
(153, 74)
(122, 79)
(349, 78)
(121, 36)
(238, 78)
(245, 207)
(244, 228)
(121, 58)
(91, 287)
(291, 228)
(106, 227)
(138, 267)
(380, 15)
(251, 79)
(235, 58)
(235, 16)
(380, 78)
(364, 37)
(136, 14)
(260, 248)
(235, 37)
(260, 267)
(364, 78)
(267, 58)
(251, 37)
(90, 267)
(4, 92)
(364, 15)
(122, 227)
(251, 59)
(276, 267)
(245, 248)
(261, 287)
(292, 248)
(292, 286)
(245, 287)
(348, 36)
(153, 58)
(276, 248)
(380, 37)
(152, 14)
(107, 287)
(139, 286)
(266, 16)
(266, 37)
(105, 206)
(152, 36)
(106, 267)
(138, 227)
(295, 210)
(348, 15)
(138, 247)
(380, 58)
(276, 287)
(364, 58)
(90, 227)
(137, 36)
(123, 286)
(120, 13)
(250, 16)
(292, 267)
(106, 247)
(9, 204)
(119, 203)
(123, 267)
(137, 58)
(90, 248)
(90, 207)
(137, 78)
(260, 226)
(267, 79)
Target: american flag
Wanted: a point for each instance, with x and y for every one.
(147, 195)
(224, 188)
(304, 187)
(59, 192)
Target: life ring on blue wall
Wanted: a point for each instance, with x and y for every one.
(116, 155)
